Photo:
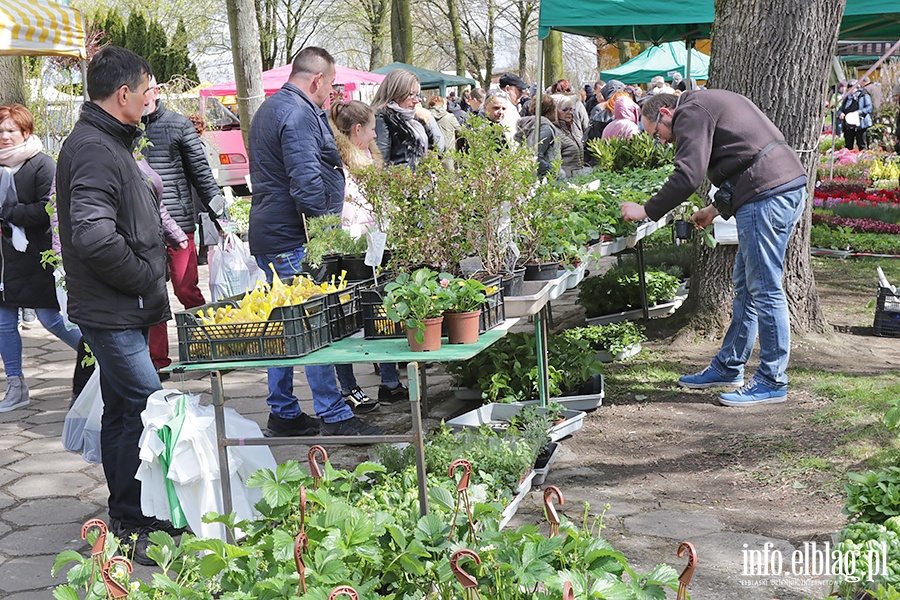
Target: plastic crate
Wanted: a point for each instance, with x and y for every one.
(493, 311)
(290, 331)
(344, 312)
(887, 313)
(376, 324)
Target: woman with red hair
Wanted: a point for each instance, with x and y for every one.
(26, 181)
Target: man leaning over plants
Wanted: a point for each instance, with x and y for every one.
(724, 136)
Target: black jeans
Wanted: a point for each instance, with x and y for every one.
(852, 134)
(127, 378)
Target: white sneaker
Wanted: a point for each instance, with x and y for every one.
(29, 315)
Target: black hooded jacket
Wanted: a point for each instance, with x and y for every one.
(109, 227)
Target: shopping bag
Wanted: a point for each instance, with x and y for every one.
(232, 270)
(81, 427)
(62, 297)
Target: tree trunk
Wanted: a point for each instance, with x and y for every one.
(245, 53)
(785, 74)
(12, 80)
(459, 49)
(553, 58)
(401, 31)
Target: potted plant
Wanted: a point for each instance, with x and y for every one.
(326, 239)
(419, 301)
(463, 315)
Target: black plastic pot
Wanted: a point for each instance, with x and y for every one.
(541, 271)
(684, 230)
(592, 386)
(513, 284)
(331, 265)
(356, 267)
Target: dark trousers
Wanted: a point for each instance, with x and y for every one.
(854, 134)
(127, 378)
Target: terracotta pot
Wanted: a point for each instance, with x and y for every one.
(432, 339)
(462, 328)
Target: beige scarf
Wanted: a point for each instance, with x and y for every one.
(15, 156)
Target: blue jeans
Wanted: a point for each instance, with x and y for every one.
(760, 307)
(127, 378)
(390, 376)
(11, 340)
(327, 400)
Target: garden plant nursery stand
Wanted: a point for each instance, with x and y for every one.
(347, 351)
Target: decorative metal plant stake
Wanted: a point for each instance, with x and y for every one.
(685, 578)
(462, 496)
(568, 591)
(341, 590)
(99, 545)
(314, 469)
(114, 588)
(550, 509)
(469, 583)
(301, 543)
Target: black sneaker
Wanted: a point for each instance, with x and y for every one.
(298, 426)
(391, 395)
(117, 529)
(359, 402)
(351, 426)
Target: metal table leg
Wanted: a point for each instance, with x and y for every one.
(540, 334)
(218, 399)
(418, 434)
(642, 278)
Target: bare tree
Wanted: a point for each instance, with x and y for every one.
(521, 19)
(785, 74)
(401, 31)
(12, 80)
(285, 27)
(247, 61)
(479, 24)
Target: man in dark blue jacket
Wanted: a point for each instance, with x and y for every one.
(115, 260)
(296, 172)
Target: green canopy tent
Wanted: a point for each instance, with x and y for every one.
(658, 21)
(429, 79)
(660, 60)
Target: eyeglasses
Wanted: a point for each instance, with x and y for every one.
(567, 110)
(413, 94)
(656, 127)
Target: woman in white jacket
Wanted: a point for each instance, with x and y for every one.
(354, 131)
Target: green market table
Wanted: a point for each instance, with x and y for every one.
(350, 350)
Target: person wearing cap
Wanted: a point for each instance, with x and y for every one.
(856, 115)
(606, 92)
(678, 83)
(516, 89)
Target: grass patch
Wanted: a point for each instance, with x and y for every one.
(645, 375)
(854, 409)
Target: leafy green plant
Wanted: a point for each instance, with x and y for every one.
(873, 496)
(413, 298)
(865, 542)
(467, 295)
(507, 370)
(614, 338)
(327, 236)
(618, 290)
(639, 151)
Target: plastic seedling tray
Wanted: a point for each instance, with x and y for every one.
(604, 356)
(575, 276)
(542, 466)
(510, 511)
(498, 416)
(558, 286)
(535, 296)
(613, 247)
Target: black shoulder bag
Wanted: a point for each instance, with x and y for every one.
(723, 195)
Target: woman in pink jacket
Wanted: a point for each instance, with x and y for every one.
(626, 116)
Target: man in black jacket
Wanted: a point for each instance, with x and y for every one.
(178, 157)
(115, 260)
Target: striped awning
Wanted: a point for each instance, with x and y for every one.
(32, 27)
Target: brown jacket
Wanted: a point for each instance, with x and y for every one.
(717, 134)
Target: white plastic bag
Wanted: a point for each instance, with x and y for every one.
(81, 428)
(232, 270)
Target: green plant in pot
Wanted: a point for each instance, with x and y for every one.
(418, 300)
(463, 315)
(327, 240)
